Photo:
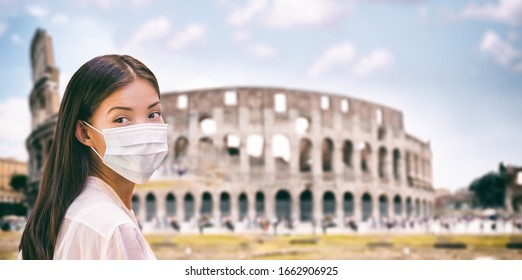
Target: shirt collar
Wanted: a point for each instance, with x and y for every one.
(104, 187)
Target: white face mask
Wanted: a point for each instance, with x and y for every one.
(134, 151)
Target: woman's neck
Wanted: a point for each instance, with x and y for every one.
(120, 185)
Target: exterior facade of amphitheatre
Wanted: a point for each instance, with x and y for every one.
(241, 155)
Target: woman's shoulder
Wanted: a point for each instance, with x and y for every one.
(98, 212)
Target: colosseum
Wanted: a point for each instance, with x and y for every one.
(241, 157)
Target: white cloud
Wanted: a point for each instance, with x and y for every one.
(242, 15)
(241, 35)
(16, 124)
(518, 67)
(287, 13)
(335, 56)
(502, 51)
(261, 51)
(60, 18)
(111, 4)
(3, 28)
(506, 11)
(303, 13)
(37, 11)
(192, 35)
(15, 38)
(152, 30)
(377, 61)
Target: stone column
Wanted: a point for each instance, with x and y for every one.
(161, 205)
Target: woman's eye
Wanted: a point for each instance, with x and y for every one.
(120, 120)
(154, 115)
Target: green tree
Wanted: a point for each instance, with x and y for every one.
(489, 190)
(19, 182)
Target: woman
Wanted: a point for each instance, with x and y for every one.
(109, 136)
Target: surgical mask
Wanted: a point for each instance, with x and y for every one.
(134, 151)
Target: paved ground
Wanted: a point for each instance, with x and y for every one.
(395, 246)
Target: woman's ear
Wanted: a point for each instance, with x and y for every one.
(82, 135)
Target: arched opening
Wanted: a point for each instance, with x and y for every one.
(151, 206)
(347, 153)
(171, 205)
(383, 206)
(348, 205)
(283, 206)
(417, 208)
(329, 204)
(306, 206)
(206, 204)
(305, 155)
(367, 207)
(281, 152)
(255, 151)
(396, 164)
(424, 210)
(409, 207)
(382, 162)
(188, 206)
(260, 204)
(302, 125)
(327, 155)
(243, 206)
(135, 204)
(397, 205)
(224, 204)
(366, 152)
(207, 126)
(180, 155)
(232, 144)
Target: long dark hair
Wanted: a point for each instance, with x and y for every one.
(69, 161)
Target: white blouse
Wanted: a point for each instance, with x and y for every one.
(98, 225)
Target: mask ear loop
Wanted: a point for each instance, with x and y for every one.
(96, 152)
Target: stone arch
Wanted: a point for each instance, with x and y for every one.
(170, 203)
(180, 149)
(397, 205)
(207, 125)
(383, 154)
(409, 207)
(232, 145)
(206, 204)
(150, 202)
(305, 155)
(281, 150)
(283, 206)
(224, 204)
(243, 206)
(417, 207)
(135, 204)
(347, 153)
(396, 164)
(188, 206)
(329, 203)
(383, 206)
(327, 149)
(348, 204)
(306, 206)
(260, 204)
(255, 151)
(367, 206)
(366, 152)
(302, 125)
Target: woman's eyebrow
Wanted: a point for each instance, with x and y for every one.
(153, 104)
(120, 108)
(130, 109)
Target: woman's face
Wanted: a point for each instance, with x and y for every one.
(136, 103)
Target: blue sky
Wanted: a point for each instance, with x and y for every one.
(454, 68)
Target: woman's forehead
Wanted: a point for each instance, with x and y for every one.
(138, 94)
